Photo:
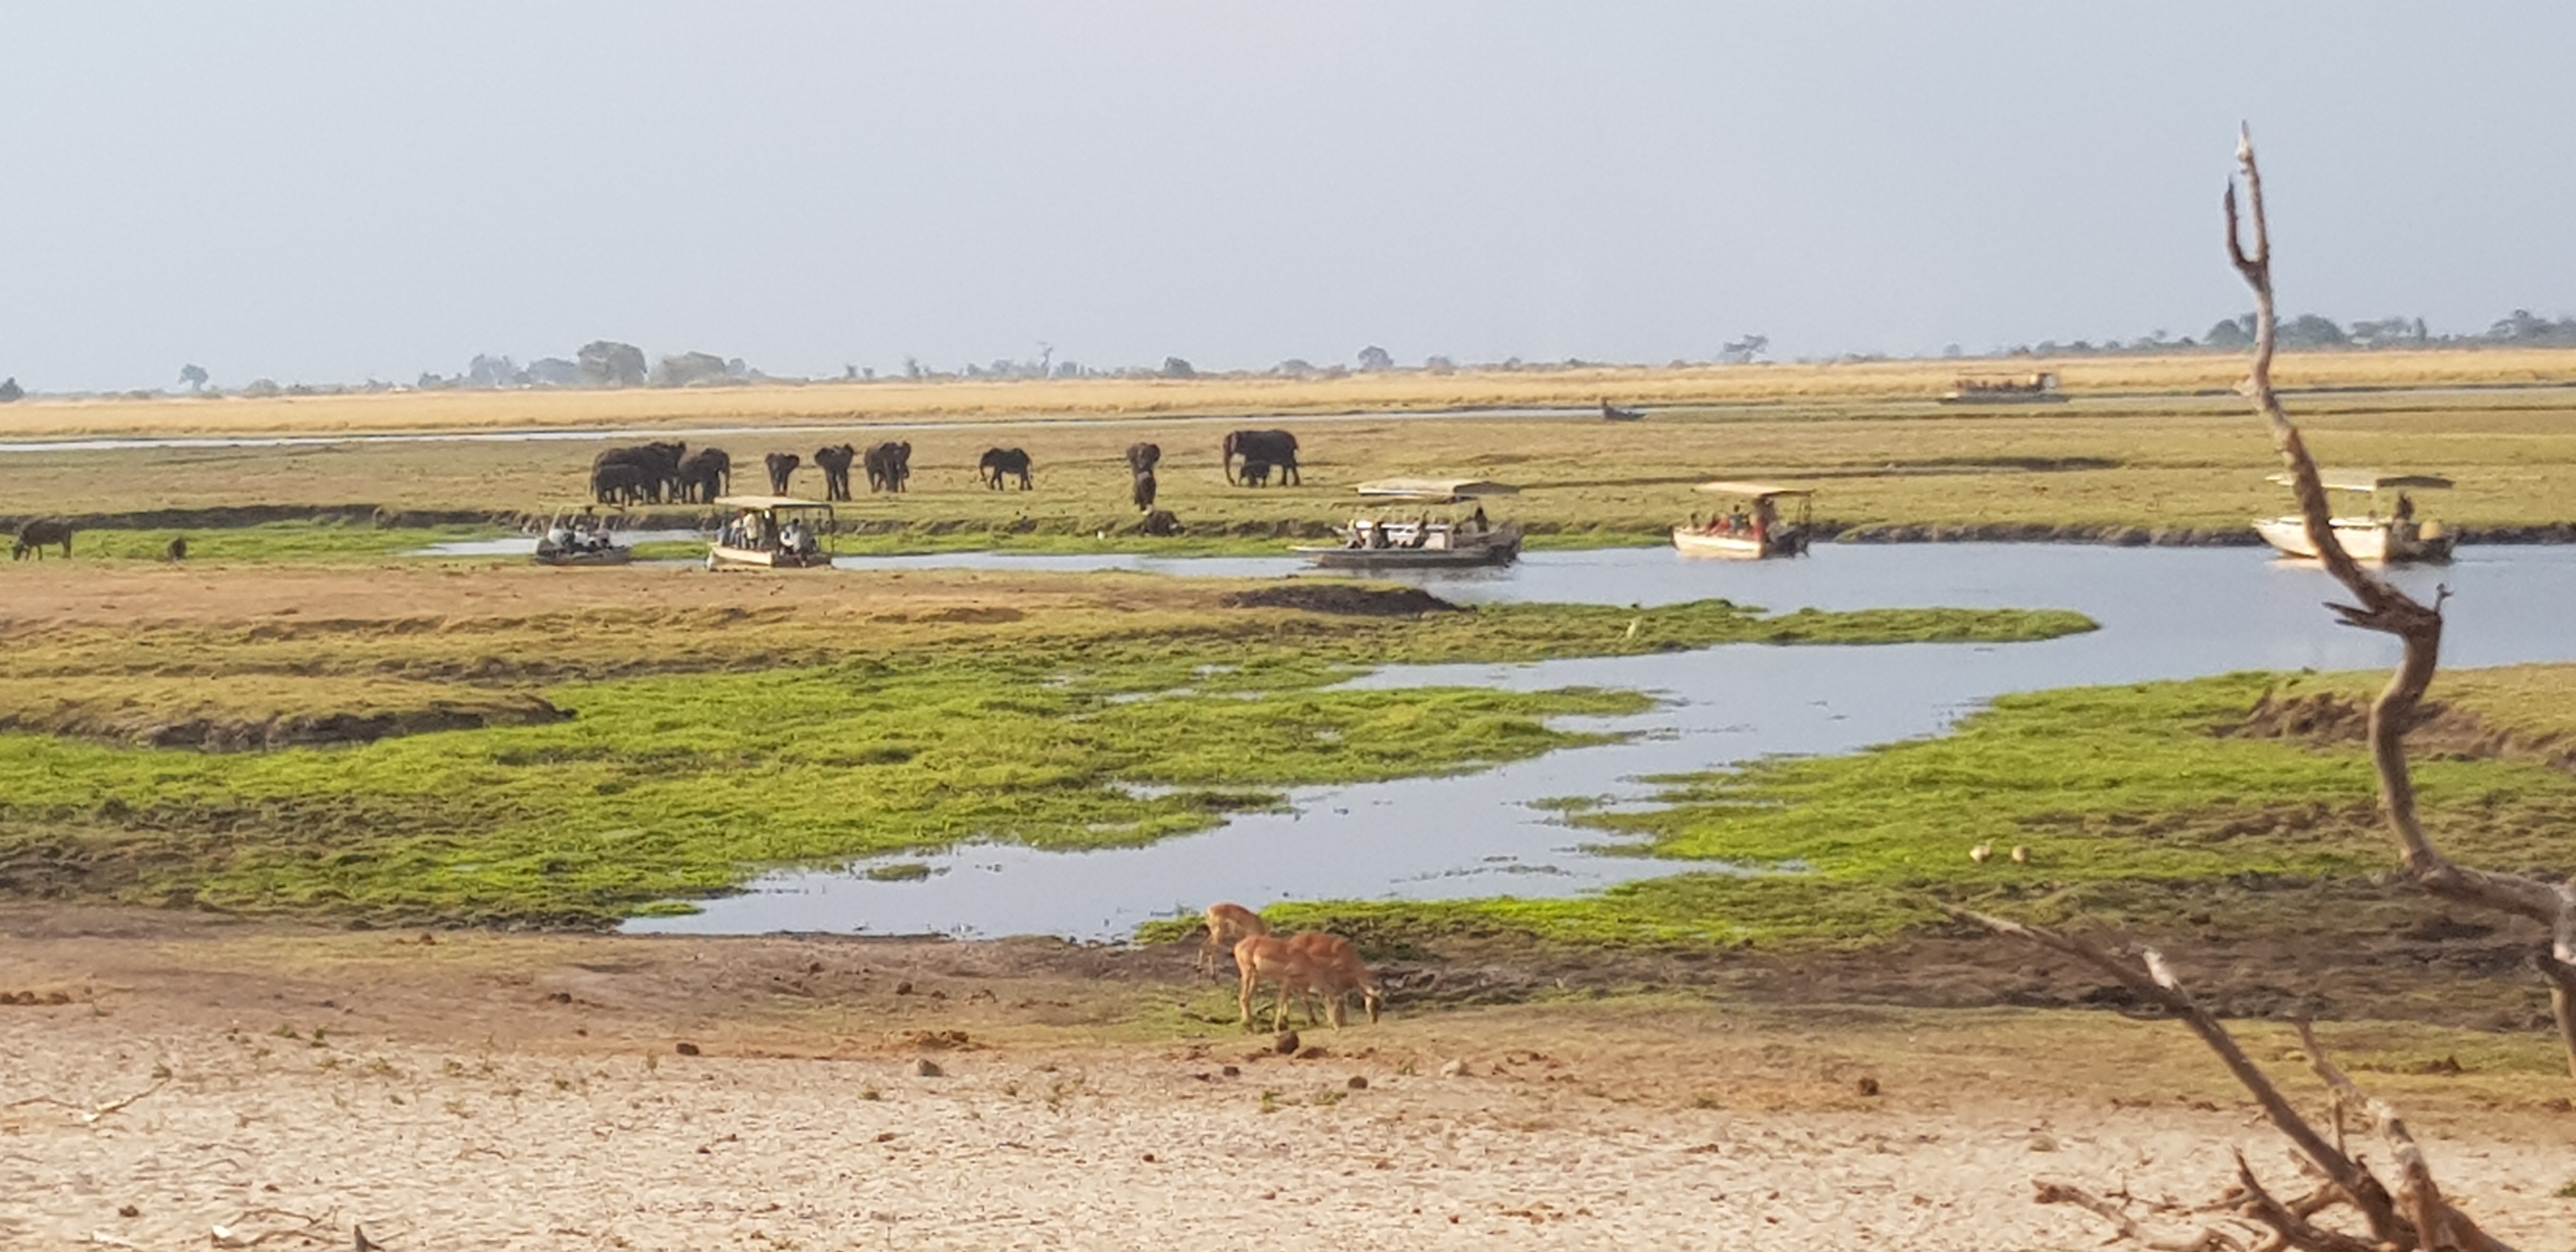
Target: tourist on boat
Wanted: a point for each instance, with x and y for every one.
(1476, 523)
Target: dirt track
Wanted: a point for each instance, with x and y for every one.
(534, 1092)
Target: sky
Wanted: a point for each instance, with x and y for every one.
(332, 192)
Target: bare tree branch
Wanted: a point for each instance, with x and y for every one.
(2388, 610)
(2154, 981)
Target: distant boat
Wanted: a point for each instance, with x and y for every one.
(1762, 532)
(1610, 413)
(772, 532)
(2397, 539)
(2011, 389)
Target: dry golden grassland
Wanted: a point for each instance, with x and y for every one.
(838, 403)
(2151, 463)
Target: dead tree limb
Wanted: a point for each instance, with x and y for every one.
(2384, 608)
(2151, 979)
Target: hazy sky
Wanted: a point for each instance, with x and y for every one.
(337, 191)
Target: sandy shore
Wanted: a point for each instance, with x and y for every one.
(516, 1092)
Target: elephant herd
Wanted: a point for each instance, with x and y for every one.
(668, 472)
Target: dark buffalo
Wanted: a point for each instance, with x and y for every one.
(659, 464)
(1143, 495)
(889, 465)
(36, 535)
(1277, 447)
(782, 467)
(836, 470)
(1001, 463)
(705, 474)
(1143, 457)
(622, 482)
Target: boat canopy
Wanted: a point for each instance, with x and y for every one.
(769, 502)
(1435, 488)
(1758, 491)
(2372, 480)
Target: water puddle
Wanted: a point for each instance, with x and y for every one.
(2165, 612)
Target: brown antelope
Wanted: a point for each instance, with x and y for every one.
(1228, 925)
(1338, 972)
(1268, 959)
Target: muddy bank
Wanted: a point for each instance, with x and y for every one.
(2440, 731)
(211, 728)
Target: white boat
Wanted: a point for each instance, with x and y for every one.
(1422, 541)
(2395, 539)
(1750, 533)
(772, 532)
(580, 537)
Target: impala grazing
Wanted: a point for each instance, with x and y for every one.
(1228, 925)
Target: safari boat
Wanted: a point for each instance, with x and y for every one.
(1754, 529)
(771, 532)
(580, 537)
(2395, 539)
(1383, 540)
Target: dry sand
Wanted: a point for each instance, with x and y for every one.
(501, 1092)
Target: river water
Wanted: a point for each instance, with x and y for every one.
(2165, 613)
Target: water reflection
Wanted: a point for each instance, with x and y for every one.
(2165, 613)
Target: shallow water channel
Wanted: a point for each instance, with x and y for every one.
(2165, 613)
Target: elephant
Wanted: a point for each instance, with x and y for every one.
(36, 535)
(1255, 473)
(1277, 447)
(782, 467)
(1143, 494)
(177, 549)
(1143, 457)
(705, 474)
(622, 482)
(1001, 463)
(835, 463)
(889, 465)
(658, 462)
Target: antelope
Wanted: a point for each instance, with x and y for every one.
(1228, 925)
(1338, 972)
(1269, 958)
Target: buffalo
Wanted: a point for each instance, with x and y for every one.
(705, 474)
(836, 470)
(36, 535)
(1001, 463)
(1277, 448)
(889, 465)
(782, 467)
(1143, 457)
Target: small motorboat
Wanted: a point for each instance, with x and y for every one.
(772, 532)
(581, 537)
(1755, 528)
(1380, 541)
(2396, 539)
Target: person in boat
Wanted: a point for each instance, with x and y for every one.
(1766, 518)
(1421, 532)
(1476, 523)
(1377, 534)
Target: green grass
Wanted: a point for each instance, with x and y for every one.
(274, 541)
(2121, 794)
(707, 746)
(674, 787)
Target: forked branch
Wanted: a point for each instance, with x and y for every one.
(2384, 608)
(2395, 1221)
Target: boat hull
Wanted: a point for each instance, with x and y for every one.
(568, 559)
(1737, 546)
(1502, 550)
(722, 557)
(2374, 541)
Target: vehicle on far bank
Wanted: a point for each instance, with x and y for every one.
(1380, 539)
(2008, 389)
(580, 537)
(1754, 528)
(2396, 539)
(772, 532)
